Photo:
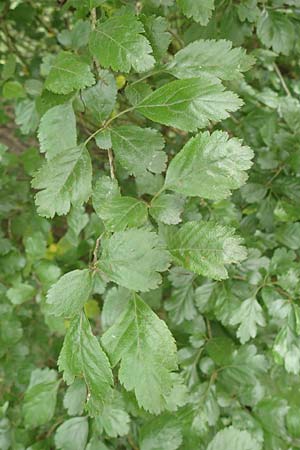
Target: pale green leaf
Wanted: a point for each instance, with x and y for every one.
(72, 434)
(190, 104)
(82, 356)
(40, 397)
(64, 180)
(20, 293)
(167, 208)
(57, 130)
(75, 398)
(205, 248)
(211, 57)
(114, 419)
(118, 43)
(161, 432)
(146, 350)
(286, 346)
(68, 295)
(209, 166)
(199, 10)
(68, 73)
(276, 31)
(181, 304)
(156, 32)
(248, 316)
(100, 99)
(133, 259)
(117, 212)
(138, 149)
(234, 439)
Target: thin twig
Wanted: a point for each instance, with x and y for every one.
(106, 125)
(283, 83)
(111, 163)
(96, 249)
(93, 23)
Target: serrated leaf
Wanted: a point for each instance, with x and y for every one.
(210, 57)
(189, 104)
(20, 293)
(68, 73)
(40, 397)
(248, 316)
(167, 208)
(82, 356)
(117, 212)
(100, 99)
(118, 43)
(145, 348)
(161, 432)
(156, 32)
(65, 179)
(244, 368)
(234, 439)
(72, 434)
(133, 259)
(199, 10)
(209, 166)
(114, 419)
(276, 31)
(57, 130)
(286, 346)
(75, 398)
(181, 304)
(68, 295)
(137, 149)
(205, 248)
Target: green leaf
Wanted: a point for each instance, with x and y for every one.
(138, 150)
(20, 293)
(167, 208)
(200, 10)
(276, 31)
(100, 99)
(57, 131)
(114, 419)
(64, 180)
(205, 248)
(249, 315)
(72, 434)
(244, 368)
(209, 166)
(118, 43)
(181, 304)
(68, 295)
(27, 116)
(117, 212)
(77, 37)
(157, 34)
(233, 439)
(75, 398)
(145, 348)
(161, 432)
(40, 397)
(133, 259)
(82, 356)
(286, 346)
(189, 104)
(289, 235)
(211, 57)
(12, 90)
(68, 73)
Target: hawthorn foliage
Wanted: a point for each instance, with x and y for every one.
(150, 225)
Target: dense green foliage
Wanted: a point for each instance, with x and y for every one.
(150, 225)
